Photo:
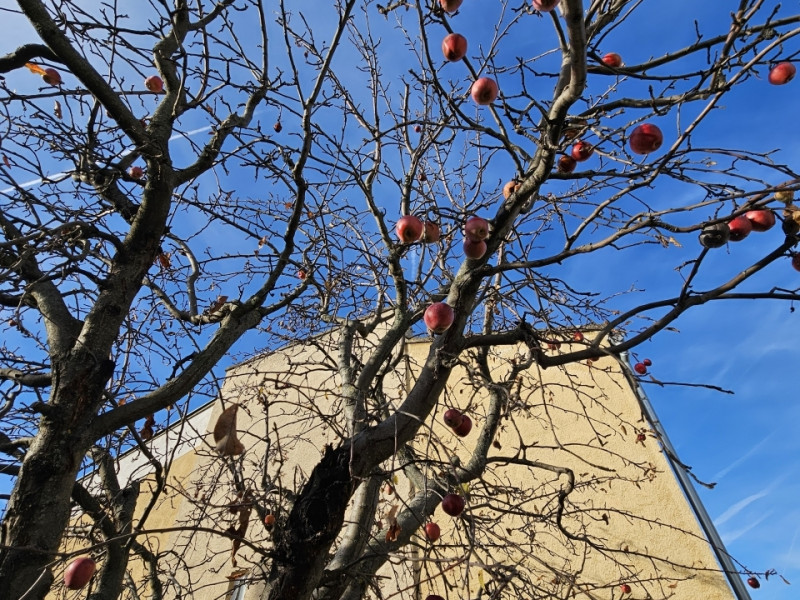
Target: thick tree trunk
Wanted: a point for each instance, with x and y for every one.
(315, 521)
(38, 513)
(39, 508)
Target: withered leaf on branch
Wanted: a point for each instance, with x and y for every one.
(225, 433)
(147, 431)
(216, 305)
(394, 528)
(241, 530)
(35, 69)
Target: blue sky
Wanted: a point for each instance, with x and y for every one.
(747, 442)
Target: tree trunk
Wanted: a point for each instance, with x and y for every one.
(314, 523)
(39, 508)
(38, 513)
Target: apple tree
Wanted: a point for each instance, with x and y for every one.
(185, 184)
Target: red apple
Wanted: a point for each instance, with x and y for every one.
(438, 317)
(52, 77)
(509, 188)
(269, 520)
(796, 261)
(647, 362)
(646, 138)
(625, 588)
(566, 164)
(450, 6)
(418, 128)
(136, 172)
(301, 274)
(641, 438)
(454, 47)
(753, 583)
(453, 417)
(545, 5)
(473, 249)
(640, 368)
(740, 228)
(464, 428)
(782, 73)
(484, 90)
(582, 151)
(79, 572)
(476, 229)
(613, 60)
(577, 336)
(453, 504)
(277, 127)
(761, 220)
(432, 531)
(154, 83)
(432, 232)
(409, 229)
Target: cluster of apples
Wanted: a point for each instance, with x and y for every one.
(641, 367)
(484, 90)
(412, 229)
(644, 139)
(460, 423)
(738, 228)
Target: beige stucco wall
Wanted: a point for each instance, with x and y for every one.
(625, 521)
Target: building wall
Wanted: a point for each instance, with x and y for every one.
(623, 521)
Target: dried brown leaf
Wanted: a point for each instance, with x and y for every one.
(217, 304)
(36, 69)
(227, 443)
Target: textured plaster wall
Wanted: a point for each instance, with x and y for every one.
(625, 521)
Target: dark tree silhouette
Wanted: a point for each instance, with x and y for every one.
(183, 181)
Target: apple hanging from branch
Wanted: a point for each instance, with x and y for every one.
(545, 5)
(438, 317)
(454, 47)
(484, 91)
(409, 229)
(761, 220)
(581, 151)
(782, 73)
(613, 60)
(453, 504)
(79, 572)
(646, 138)
(740, 227)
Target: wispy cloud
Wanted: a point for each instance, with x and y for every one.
(739, 507)
(60, 176)
(742, 458)
(728, 538)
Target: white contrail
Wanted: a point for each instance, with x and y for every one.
(742, 458)
(60, 176)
